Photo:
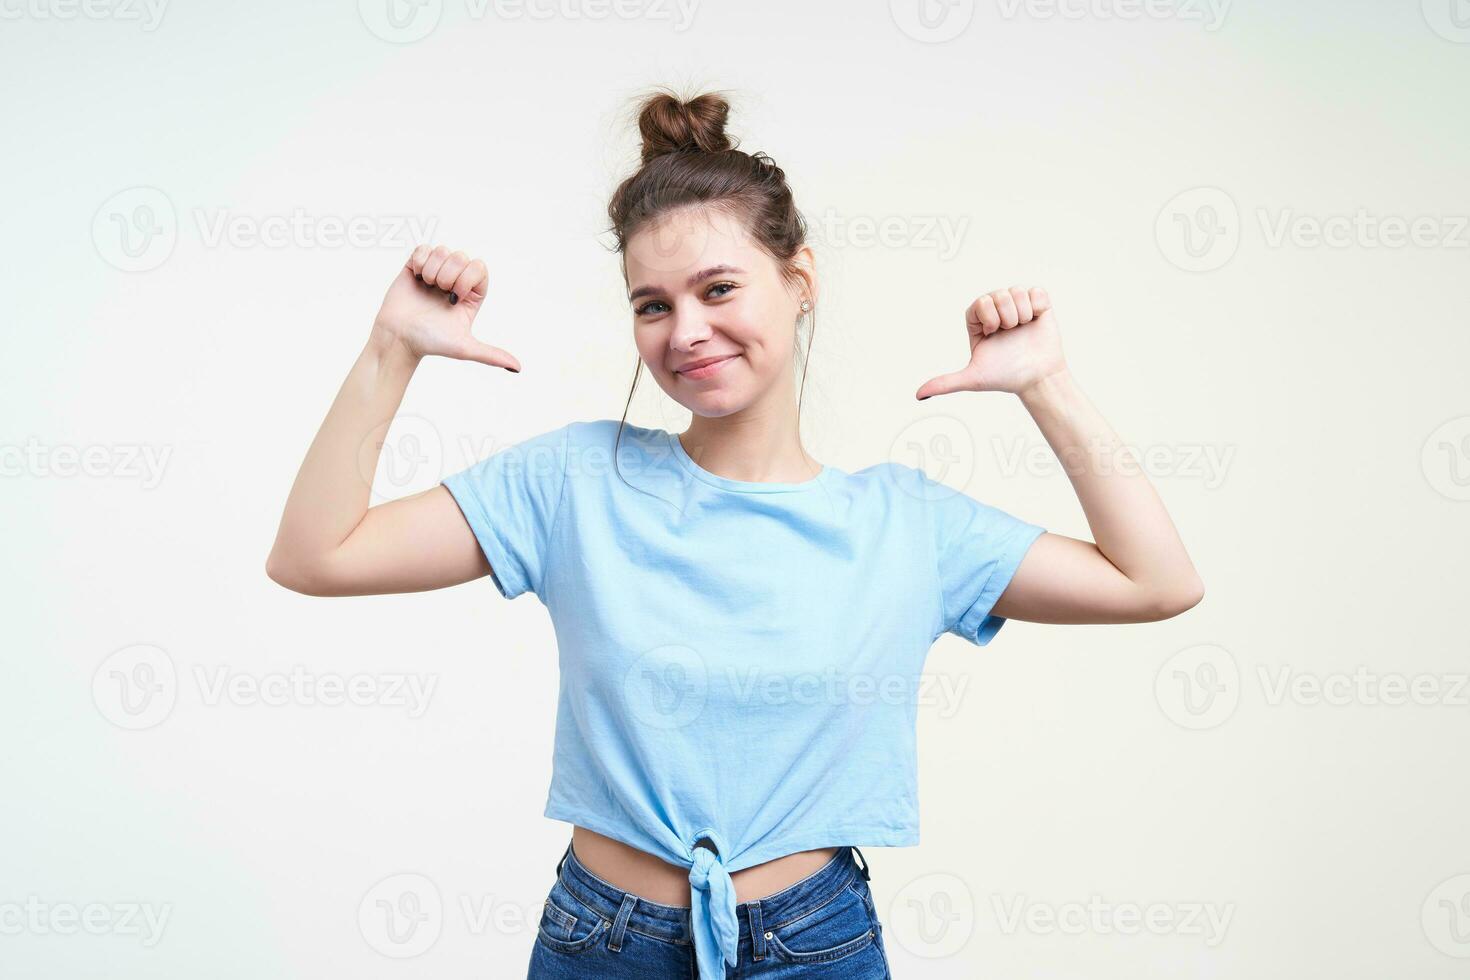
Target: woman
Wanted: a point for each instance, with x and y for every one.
(740, 628)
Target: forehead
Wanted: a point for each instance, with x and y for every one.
(680, 243)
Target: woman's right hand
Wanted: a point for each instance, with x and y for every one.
(432, 304)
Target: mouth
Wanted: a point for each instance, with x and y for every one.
(706, 369)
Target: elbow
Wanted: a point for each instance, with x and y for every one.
(1179, 599)
(290, 575)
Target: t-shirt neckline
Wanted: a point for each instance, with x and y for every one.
(738, 486)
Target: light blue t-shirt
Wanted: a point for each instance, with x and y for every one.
(739, 661)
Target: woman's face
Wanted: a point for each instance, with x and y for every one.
(713, 318)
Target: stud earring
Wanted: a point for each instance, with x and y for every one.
(805, 306)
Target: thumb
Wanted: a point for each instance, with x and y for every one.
(944, 384)
(1040, 301)
(470, 349)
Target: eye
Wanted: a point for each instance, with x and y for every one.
(727, 287)
(648, 307)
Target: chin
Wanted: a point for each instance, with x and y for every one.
(714, 404)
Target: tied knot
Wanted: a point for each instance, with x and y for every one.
(716, 929)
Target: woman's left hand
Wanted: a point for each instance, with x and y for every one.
(1014, 343)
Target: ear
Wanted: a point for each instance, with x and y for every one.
(804, 262)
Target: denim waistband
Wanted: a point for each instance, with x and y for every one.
(672, 923)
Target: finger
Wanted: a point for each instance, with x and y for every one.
(470, 349)
(943, 385)
(1007, 308)
(982, 317)
(436, 258)
(416, 261)
(1022, 300)
(453, 265)
(471, 282)
(1040, 301)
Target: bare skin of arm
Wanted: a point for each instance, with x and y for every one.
(1137, 570)
(330, 542)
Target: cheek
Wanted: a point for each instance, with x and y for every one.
(651, 344)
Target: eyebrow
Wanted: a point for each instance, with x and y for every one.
(691, 282)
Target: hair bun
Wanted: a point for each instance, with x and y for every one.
(671, 125)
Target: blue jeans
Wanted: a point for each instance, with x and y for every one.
(823, 926)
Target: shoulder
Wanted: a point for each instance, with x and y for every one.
(891, 480)
(605, 434)
(595, 449)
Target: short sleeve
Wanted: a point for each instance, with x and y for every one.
(977, 551)
(510, 500)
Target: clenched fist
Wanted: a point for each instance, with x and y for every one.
(431, 305)
(1014, 343)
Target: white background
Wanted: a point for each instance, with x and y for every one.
(1138, 161)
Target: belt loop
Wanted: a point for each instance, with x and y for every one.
(757, 931)
(563, 858)
(864, 866)
(620, 924)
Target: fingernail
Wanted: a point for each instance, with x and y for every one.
(453, 299)
(516, 370)
(922, 397)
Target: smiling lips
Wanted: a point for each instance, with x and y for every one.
(705, 367)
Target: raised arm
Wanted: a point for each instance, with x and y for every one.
(1137, 570)
(330, 542)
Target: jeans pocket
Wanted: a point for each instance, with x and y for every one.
(568, 926)
(837, 929)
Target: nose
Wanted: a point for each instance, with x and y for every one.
(691, 327)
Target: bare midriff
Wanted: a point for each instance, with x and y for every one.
(653, 878)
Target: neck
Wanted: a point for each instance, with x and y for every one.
(751, 445)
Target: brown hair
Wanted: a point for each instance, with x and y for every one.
(689, 161)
